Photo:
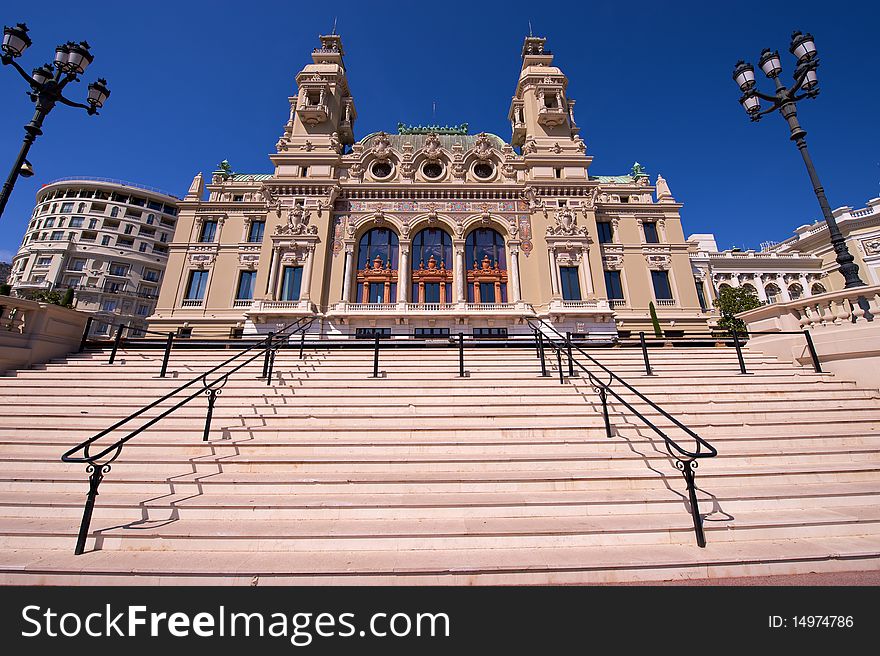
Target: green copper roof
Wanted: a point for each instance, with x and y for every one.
(240, 177)
(617, 179)
(446, 140)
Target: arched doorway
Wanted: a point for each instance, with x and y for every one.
(377, 267)
(487, 280)
(431, 258)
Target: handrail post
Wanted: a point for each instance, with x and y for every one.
(85, 337)
(376, 356)
(687, 468)
(461, 355)
(603, 396)
(570, 359)
(212, 398)
(559, 365)
(116, 343)
(544, 373)
(537, 350)
(96, 475)
(648, 371)
(273, 351)
(816, 366)
(266, 359)
(302, 342)
(168, 345)
(739, 354)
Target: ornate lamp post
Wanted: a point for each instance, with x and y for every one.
(46, 85)
(802, 47)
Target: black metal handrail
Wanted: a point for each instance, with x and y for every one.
(685, 460)
(98, 464)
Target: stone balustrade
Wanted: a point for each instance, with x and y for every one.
(32, 332)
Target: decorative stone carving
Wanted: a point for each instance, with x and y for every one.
(580, 144)
(566, 224)
(530, 147)
(249, 260)
(297, 223)
(658, 262)
(335, 144)
(557, 148)
(432, 146)
(482, 146)
(382, 147)
(202, 259)
(871, 246)
(356, 172)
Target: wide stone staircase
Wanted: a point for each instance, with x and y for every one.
(329, 476)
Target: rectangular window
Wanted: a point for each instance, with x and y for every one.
(571, 286)
(371, 333)
(129, 228)
(291, 281)
(613, 285)
(163, 237)
(651, 235)
(57, 235)
(701, 294)
(117, 269)
(124, 241)
(105, 240)
(487, 292)
(44, 261)
(431, 332)
(236, 332)
(72, 281)
(157, 248)
(237, 198)
(153, 205)
(143, 247)
(662, 290)
(255, 234)
(66, 208)
(198, 282)
(151, 275)
(143, 310)
(77, 221)
(246, 280)
(209, 231)
(93, 223)
(606, 234)
(490, 332)
(77, 264)
(109, 305)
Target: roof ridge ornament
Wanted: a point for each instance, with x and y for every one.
(403, 128)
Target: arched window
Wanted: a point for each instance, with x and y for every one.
(795, 291)
(749, 288)
(723, 285)
(82, 208)
(114, 211)
(487, 280)
(817, 288)
(772, 292)
(431, 262)
(377, 267)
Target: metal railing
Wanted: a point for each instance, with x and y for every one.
(98, 464)
(686, 460)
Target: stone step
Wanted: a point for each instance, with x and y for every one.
(551, 565)
(730, 500)
(430, 534)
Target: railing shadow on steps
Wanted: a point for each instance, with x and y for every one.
(98, 464)
(686, 461)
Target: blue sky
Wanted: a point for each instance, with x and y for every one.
(196, 82)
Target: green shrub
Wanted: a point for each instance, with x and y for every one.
(730, 302)
(654, 320)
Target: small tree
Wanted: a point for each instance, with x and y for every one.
(67, 301)
(730, 302)
(654, 320)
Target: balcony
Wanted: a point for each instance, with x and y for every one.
(192, 302)
(312, 113)
(242, 303)
(551, 116)
(582, 307)
(665, 302)
(617, 303)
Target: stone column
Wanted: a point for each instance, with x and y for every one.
(273, 273)
(304, 294)
(759, 287)
(514, 274)
(586, 273)
(347, 274)
(459, 273)
(554, 273)
(403, 274)
(802, 279)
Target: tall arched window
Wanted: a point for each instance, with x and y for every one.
(431, 262)
(772, 292)
(795, 291)
(817, 288)
(487, 279)
(377, 267)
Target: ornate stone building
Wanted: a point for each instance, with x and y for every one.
(429, 230)
(802, 266)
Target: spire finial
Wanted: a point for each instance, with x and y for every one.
(334, 25)
(530, 29)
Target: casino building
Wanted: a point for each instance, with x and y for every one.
(430, 230)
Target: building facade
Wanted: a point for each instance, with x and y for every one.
(802, 266)
(429, 230)
(107, 240)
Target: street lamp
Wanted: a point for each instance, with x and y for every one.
(804, 48)
(46, 85)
